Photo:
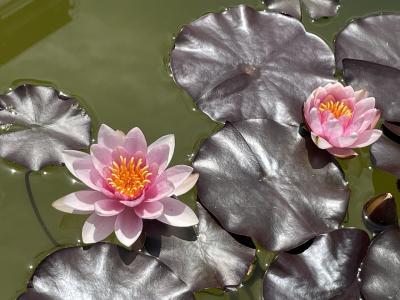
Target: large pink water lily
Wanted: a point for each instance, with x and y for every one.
(341, 119)
(129, 181)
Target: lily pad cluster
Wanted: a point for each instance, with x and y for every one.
(368, 53)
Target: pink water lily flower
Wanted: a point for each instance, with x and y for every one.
(341, 119)
(129, 181)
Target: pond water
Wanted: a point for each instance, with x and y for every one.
(113, 56)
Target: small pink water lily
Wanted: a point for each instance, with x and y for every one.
(341, 119)
(129, 181)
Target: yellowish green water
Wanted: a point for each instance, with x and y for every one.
(113, 56)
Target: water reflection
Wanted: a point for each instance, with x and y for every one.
(25, 22)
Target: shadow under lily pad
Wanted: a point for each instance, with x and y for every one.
(243, 64)
(104, 271)
(203, 257)
(262, 179)
(326, 270)
(39, 123)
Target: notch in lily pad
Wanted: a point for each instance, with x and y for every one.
(380, 213)
(38, 123)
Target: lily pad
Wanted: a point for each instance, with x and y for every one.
(381, 268)
(316, 8)
(262, 179)
(380, 213)
(104, 271)
(203, 257)
(38, 123)
(243, 64)
(326, 270)
(386, 155)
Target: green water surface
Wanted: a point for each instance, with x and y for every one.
(113, 56)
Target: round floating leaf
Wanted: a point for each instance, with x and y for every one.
(38, 123)
(262, 179)
(380, 212)
(386, 155)
(381, 268)
(243, 64)
(316, 8)
(203, 257)
(104, 271)
(368, 50)
(326, 270)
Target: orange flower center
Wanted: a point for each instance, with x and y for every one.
(337, 108)
(129, 178)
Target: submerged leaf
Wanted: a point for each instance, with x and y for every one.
(39, 123)
(316, 8)
(242, 64)
(380, 212)
(204, 257)
(326, 270)
(381, 268)
(104, 271)
(262, 179)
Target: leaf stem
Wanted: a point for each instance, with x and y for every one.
(36, 210)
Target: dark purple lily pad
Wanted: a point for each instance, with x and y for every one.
(381, 268)
(326, 270)
(380, 213)
(368, 51)
(316, 8)
(243, 64)
(262, 179)
(38, 123)
(203, 257)
(104, 271)
(386, 155)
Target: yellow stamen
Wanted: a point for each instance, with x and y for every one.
(337, 108)
(129, 178)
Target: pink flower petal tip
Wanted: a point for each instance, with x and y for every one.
(128, 181)
(341, 119)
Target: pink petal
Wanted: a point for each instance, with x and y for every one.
(361, 94)
(320, 142)
(133, 203)
(362, 106)
(332, 129)
(315, 121)
(177, 174)
(187, 185)
(101, 158)
(159, 190)
(166, 140)
(367, 138)
(368, 119)
(81, 166)
(109, 207)
(128, 227)
(344, 141)
(81, 202)
(135, 141)
(159, 155)
(177, 213)
(342, 152)
(97, 228)
(149, 210)
(341, 92)
(376, 119)
(109, 137)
